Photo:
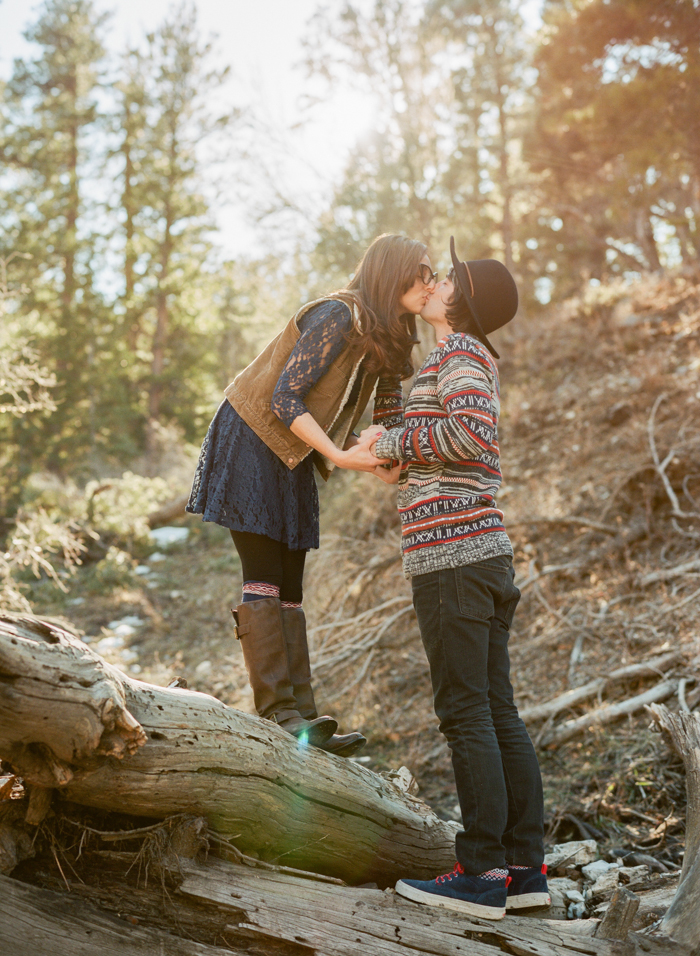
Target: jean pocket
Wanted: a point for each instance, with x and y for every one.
(425, 589)
(509, 610)
(473, 585)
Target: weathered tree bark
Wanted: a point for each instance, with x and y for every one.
(682, 921)
(71, 722)
(35, 921)
(619, 916)
(341, 921)
(261, 913)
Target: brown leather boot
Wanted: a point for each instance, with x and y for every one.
(294, 625)
(259, 629)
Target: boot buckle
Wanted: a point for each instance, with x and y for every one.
(236, 633)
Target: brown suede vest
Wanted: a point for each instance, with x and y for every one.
(251, 391)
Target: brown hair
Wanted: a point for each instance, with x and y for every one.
(457, 313)
(387, 334)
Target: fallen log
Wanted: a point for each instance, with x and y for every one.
(340, 921)
(35, 921)
(655, 666)
(184, 903)
(609, 713)
(682, 921)
(72, 723)
(168, 512)
(268, 915)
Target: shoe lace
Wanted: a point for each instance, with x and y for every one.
(458, 871)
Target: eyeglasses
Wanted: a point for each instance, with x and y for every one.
(426, 275)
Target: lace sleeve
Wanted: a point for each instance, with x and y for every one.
(322, 339)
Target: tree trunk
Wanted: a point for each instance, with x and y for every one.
(162, 330)
(36, 921)
(71, 722)
(219, 904)
(682, 921)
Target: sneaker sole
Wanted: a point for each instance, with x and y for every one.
(460, 906)
(528, 900)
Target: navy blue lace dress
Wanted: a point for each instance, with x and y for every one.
(239, 482)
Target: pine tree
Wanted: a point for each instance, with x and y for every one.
(617, 137)
(485, 46)
(164, 117)
(451, 78)
(47, 143)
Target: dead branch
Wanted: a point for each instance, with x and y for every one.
(611, 712)
(549, 569)
(668, 574)
(655, 666)
(661, 466)
(168, 512)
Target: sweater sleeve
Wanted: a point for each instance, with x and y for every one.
(322, 339)
(466, 427)
(388, 402)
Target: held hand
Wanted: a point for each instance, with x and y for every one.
(359, 457)
(374, 431)
(388, 475)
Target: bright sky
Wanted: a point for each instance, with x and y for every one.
(261, 41)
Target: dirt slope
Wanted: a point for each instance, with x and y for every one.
(580, 383)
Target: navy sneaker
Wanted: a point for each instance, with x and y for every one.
(527, 887)
(473, 895)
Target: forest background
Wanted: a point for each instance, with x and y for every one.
(568, 146)
(572, 153)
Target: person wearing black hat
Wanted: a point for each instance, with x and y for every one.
(459, 559)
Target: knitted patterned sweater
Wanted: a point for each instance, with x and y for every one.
(448, 444)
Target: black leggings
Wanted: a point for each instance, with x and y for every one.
(264, 559)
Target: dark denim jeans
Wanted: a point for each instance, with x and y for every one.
(464, 615)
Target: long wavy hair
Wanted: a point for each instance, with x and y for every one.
(386, 333)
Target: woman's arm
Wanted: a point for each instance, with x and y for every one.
(465, 382)
(357, 458)
(321, 342)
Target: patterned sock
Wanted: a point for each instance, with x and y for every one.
(255, 590)
(497, 874)
(290, 604)
(512, 866)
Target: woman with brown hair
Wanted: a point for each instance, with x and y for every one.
(294, 406)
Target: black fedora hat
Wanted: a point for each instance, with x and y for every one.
(489, 291)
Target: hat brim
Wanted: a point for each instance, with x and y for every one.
(465, 285)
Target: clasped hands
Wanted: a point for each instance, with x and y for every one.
(363, 451)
